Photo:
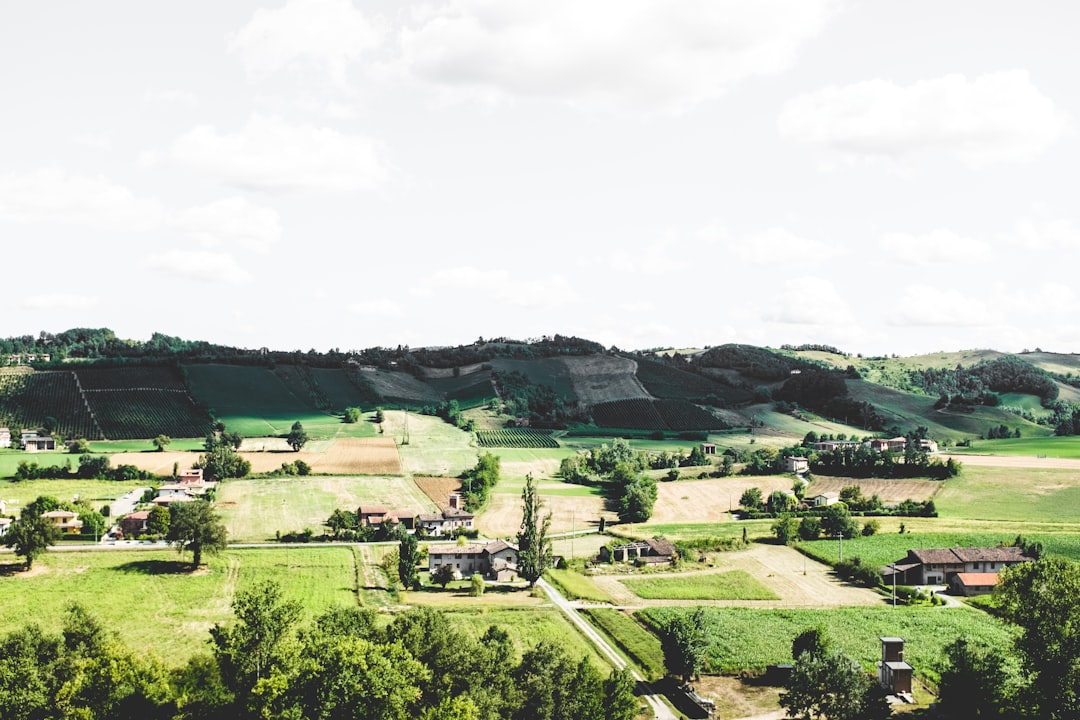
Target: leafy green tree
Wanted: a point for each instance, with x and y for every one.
(196, 527)
(443, 575)
(684, 643)
(351, 415)
(975, 681)
(620, 703)
(408, 559)
(831, 686)
(1043, 599)
(813, 640)
(298, 437)
(534, 547)
(78, 446)
(780, 501)
(543, 675)
(221, 460)
(480, 479)
(340, 521)
(157, 521)
(810, 528)
(256, 648)
(837, 520)
(161, 442)
(752, 500)
(93, 523)
(476, 584)
(31, 535)
(638, 499)
(380, 416)
(786, 528)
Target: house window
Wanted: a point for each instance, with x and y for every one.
(978, 566)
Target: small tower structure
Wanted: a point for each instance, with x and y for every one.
(894, 675)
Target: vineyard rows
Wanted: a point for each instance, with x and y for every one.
(515, 438)
(27, 399)
(644, 414)
(163, 377)
(134, 414)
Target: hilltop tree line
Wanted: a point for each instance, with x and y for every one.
(343, 664)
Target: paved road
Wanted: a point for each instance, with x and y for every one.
(660, 709)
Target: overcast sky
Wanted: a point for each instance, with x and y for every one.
(882, 176)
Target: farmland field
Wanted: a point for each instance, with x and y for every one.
(742, 639)
(28, 397)
(98, 492)
(600, 378)
(515, 438)
(438, 489)
(1050, 447)
(126, 414)
(991, 493)
(729, 585)
(180, 607)
(667, 381)
(890, 491)
(254, 510)
(641, 646)
(156, 377)
(544, 371)
(434, 447)
(708, 501)
(401, 387)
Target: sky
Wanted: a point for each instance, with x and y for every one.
(880, 176)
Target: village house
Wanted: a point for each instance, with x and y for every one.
(495, 561)
(795, 464)
(655, 551)
(5, 437)
(825, 499)
(971, 584)
(64, 520)
(939, 566)
(380, 515)
(830, 445)
(5, 525)
(708, 449)
(134, 523)
(447, 521)
(32, 441)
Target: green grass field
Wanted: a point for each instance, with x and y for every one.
(254, 510)
(435, 448)
(639, 645)
(527, 627)
(155, 604)
(576, 586)
(119, 446)
(97, 492)
(1055, 447)
(730, 585)
(742, 639)
(1029, 495)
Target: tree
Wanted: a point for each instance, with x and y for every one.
(79, 446)
(408, 558)
(352, 415)
(831, 686)
(443, 575)
(620, 703)
(638, 499)
(1043, 599)
(297, 436)
(31, 535)
(786, 528)
(476, 585)
(975, 682)
(161, 442)
(837, 520)
(221, 460)
(752, 500)
(684, 644)
(157, 521)
(196, 526)
(534, 547)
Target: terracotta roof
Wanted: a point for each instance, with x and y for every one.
(456, 514)
(372, 510)
(140, 515)
(661, 546)
(455, 549)
(430, 517)
(498, 546)
(60, 514)
(953, 556)
(977, 579)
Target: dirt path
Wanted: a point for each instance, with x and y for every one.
(1016, 461)
(798, 581)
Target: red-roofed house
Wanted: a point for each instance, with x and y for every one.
(969, 584)
(496, 560)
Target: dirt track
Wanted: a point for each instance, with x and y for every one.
(799, 582)
(1016, 461)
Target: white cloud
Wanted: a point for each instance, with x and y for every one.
(777, 246)
(92, 141)
(663, 257)
(930, 306)
(997, 117)
(1046, 300)
(328, 34)
(58, 301)
(210, 267)
(938, 246)
(809, 301)
(500, 287)
(271, 154)
(54, 196)
(232, 220)
(644, 53)
(381, 307)
(1059, 234)
(183, 98)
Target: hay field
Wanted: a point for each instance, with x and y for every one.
(438, 489)
(603, 378)
(502, 516)
(344, 456)
(255, 509)
(891, 492)
(708, 501)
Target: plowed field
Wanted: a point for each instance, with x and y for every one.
(891, 492)
(438, 489)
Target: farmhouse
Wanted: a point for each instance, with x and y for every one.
(64, 520)
(794, 464)
(451, 518)
(496, 560)
(830, 445)
(823, 499)
(32, 441)
(654, 551)
(896, 444)
(970, 584)
(5, 438)
(134, 523)
(940, 566)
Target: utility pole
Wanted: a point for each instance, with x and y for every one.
(840, 537)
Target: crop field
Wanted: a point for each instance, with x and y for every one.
(27, 398)
(153, 377)
(667, 381)
(729, 585)
(110, 447)
(576, 586)
(254, 510)
(339, 391)
(180, 607)
(401, 387)
(438, 489)
(469, 389)
(638, 644)
(600, 378)
(742, 639)
(515, 438)
(890, 491)
(434, 448)
(544, 371)
(683, 415)
(708, 501)
(97, 492)
(146, 413)
(991, 493)
(1035, 447)
(639, 414)
(577, 509)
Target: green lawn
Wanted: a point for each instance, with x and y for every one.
(730, 585)
(577, 586)
(255, 509)
(882, 549)
(97, 492)
(744, 639)
(119, 446)
(435, 448)
(152, 600)
(638, 644)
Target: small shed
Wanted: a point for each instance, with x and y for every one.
(708, 449)
(894, 675)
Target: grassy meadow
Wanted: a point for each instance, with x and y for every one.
(434, 448)
(729, 585)
(1051, 447)
(1028, 495)
(98, 492)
